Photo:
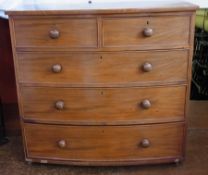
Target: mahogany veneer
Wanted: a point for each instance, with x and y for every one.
(103, 86)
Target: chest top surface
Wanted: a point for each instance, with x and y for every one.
(98, 7)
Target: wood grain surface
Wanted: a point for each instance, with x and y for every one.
(129, 32)
(103, 87)
(100, 7)
(74, 32)
(103, 143)
(103, 106)
(101, 69)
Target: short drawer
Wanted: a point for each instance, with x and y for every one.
(103, 105)
(106, 69)
(55, 32)
(151, 32)
(104, 143)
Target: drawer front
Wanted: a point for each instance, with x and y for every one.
(56, 32)
(103, 105)
(85, 69)
(104, 143)
(146, 32)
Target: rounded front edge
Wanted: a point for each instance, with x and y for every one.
(146, 161)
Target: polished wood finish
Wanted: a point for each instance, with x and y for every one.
(130, 32)
(59, 105)
(148, 31)
(103, 87)
(62, 143)
(145, 143)
(56, 68)
(103, 106)
(103, 143)
(101, 69)
(147, 67)
(56, 32)
(146, 104)
(105, 8)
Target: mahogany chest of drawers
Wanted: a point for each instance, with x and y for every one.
(103, 86)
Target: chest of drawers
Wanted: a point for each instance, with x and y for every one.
(103, 86)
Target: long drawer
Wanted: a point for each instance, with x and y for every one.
(103, 105)
(114, 68)
(56, 32)
(104, 143)
(151, 32)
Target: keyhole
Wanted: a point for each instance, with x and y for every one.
(101, 92)
(101, 57)
(147, 22)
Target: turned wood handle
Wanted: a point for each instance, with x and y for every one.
(147, 67)
(146, 104)
(54, 34)
(145, 143)
(62, 143)
(56, 68)
(59, 105)
(148, 32)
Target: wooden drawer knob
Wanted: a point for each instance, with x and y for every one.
(148, 32)
(147, 67)
(59, 105)
(145, 143)
(54, 34)
(146, 104)
(62, 143)
(56, 68)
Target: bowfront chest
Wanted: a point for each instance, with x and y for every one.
(103, 86)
